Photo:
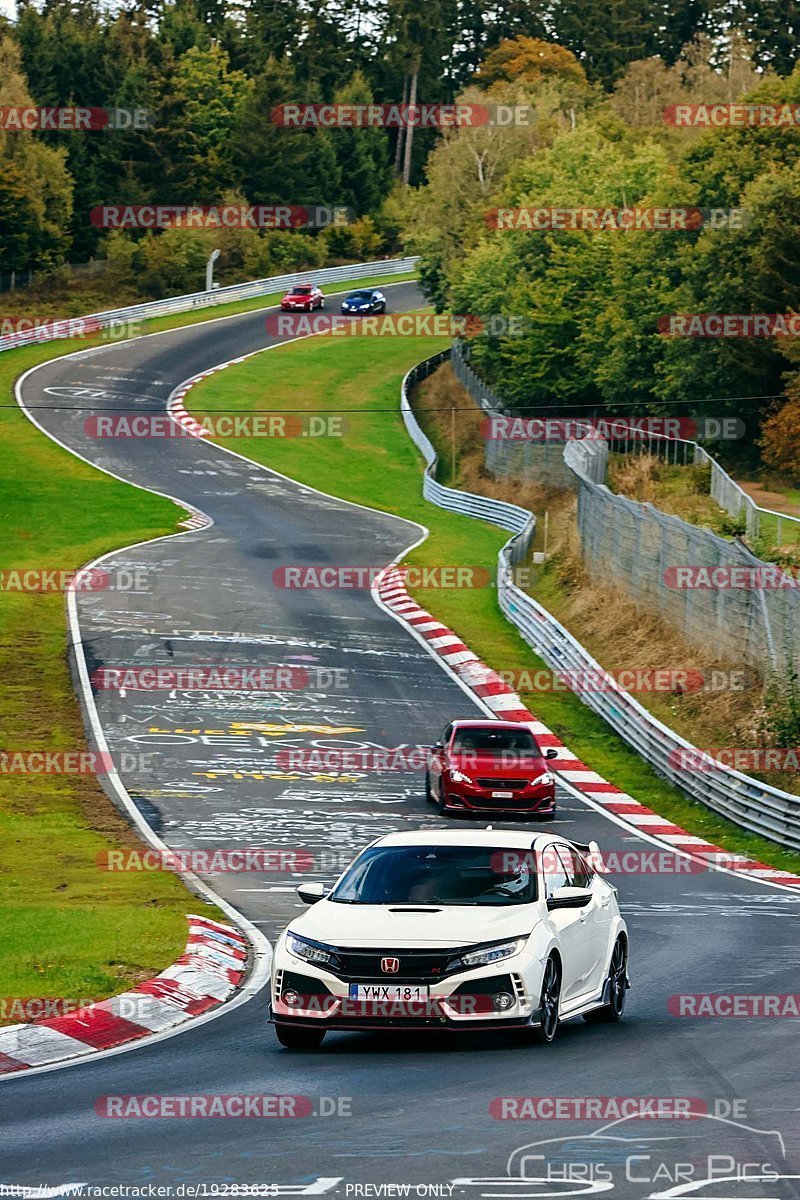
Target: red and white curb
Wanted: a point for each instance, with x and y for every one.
(176, 408)
(195, 520)
(208, 972)
(503, 701)
(176, 404)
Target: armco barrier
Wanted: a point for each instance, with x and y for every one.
(752, 805)
(238, 291)
(508, 516)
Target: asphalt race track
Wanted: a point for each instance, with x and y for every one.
(411, 1110)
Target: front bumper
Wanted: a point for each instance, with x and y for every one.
(539, 800)
(304, 995)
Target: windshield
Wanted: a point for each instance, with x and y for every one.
(460, 875)
(495, 741)
(301, 291)
(360, 296)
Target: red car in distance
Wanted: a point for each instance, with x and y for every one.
(490, 767)
(303, 297)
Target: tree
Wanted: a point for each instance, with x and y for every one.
(748, 270)
(194, 126)
(725, 161)
(35, 185)
(606, 35)
(530, 59)
(362, 154)
(280, 165)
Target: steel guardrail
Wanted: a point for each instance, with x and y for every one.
(754, 806)
(64, 328)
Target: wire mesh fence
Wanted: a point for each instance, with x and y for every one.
(717, 591)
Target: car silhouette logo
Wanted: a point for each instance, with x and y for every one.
(390, 966)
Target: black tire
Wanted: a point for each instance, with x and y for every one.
(382, 308)
(618, 981)
(549, 1000)
(321, 303)
(295, 1038)
(429, 796)
(439, 800)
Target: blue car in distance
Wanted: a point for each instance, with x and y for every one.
(362, 302)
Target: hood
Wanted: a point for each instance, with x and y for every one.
(473, 763)
(397, 926)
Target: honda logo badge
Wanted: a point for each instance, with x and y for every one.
(390, 966)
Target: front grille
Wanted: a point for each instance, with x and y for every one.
(503, 785)
(416, 966)
(498, 802)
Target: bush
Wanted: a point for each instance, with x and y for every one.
(733, 526)
(782, 707)
(358, 242)
(699, 475)
(780, 438)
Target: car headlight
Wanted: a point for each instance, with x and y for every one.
(489, 954)
(459, 776)
(545, 777)
(323, 956)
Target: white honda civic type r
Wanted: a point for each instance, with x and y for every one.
(454, 930)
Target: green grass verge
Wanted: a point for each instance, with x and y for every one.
(376, 464)
(67, 928)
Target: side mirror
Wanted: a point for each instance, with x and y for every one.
(568, 897)
(310, 893)
(551, 752)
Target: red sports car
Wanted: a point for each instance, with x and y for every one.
(303, 297)
(490, 766)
